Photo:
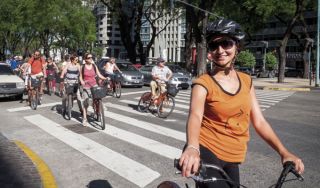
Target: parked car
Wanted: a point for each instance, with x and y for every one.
(246, 70)
(10, 83)
(178, 78)
(130, 75)
(291, 72)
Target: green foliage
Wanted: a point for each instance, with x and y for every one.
(246, 59)
(271, 61)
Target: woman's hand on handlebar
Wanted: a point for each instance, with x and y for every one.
(82, 82)
(189, 161)
(299, 166)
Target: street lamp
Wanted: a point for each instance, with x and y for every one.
(309, 42)
(266, 43)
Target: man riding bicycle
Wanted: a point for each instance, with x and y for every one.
(38, 69)
(160, 75)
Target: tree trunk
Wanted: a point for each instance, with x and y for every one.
(202, 49)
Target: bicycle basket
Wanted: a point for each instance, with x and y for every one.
(98, 92)
(117, 78)
(71, 88)
(172, 90)
(35, 82)
(51, 76)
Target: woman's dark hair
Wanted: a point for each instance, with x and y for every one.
(73, 57)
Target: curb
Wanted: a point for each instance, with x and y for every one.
(285, 88)
(48, 180)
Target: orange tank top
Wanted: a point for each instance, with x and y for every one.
(225, 124)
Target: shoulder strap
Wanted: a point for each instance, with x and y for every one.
(82, 69)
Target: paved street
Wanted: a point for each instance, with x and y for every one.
(137, 149)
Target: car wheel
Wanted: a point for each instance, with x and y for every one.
(19, 97)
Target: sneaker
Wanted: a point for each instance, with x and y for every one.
(85, 122)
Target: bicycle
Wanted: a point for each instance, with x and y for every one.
(114, 85)
(34, 92)
(50, 78)
(70, 91)
(97, 93)
(288, 167)
(164, 103)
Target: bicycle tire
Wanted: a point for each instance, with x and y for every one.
(144, 102)
(117, 89)
(166, 107)
(34, 99)
(100, 115)
(69, 106)
(49, 87)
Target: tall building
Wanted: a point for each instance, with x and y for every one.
(108, 32)
(169, 44)
(268, 40)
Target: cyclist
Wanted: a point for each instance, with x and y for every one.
(61, 68)
(38, 69)
(160, 75)
(71, 74)
(223, 102)
(51, 69)
(88, 74)
(109, 67)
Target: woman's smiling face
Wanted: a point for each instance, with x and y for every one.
(222, 50)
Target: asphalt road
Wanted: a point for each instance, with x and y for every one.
(137, 149)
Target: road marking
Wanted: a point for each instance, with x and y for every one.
(148, 126)
(183, 95)
(28, 107)
(122, 165)
(45, 173)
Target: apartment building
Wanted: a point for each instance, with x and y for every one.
(268, 40)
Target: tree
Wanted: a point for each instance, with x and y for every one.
(271, 61)
(246, 59)
(132, 15)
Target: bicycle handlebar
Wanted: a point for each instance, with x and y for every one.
(199, 176)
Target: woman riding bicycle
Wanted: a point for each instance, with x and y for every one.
(51, 69)
(88, 74)
(110, 67)
(71, 74)
(222, 105)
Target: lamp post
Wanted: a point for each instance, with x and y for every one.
(310, 45)
(266, 43)
(318, 50)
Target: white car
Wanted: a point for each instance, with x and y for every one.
(10, 84)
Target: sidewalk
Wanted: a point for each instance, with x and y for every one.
(290, 84)
(16, 169)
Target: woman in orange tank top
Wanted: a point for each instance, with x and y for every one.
(223, 103)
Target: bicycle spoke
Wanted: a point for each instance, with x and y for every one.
(166, 107)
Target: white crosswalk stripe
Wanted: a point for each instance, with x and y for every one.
(124, 111)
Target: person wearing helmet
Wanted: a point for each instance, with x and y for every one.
(223, 103)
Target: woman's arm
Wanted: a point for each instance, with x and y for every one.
(190, 158)
(265, 131)
(63, 72)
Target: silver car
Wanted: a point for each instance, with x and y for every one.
(10, 84)
(179, 78)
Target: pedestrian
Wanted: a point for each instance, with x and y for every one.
(51, 69)
(223, 103)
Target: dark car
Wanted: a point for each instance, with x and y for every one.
(130, 75)
(291, 72)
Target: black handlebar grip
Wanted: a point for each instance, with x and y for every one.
(290, 165)
(176, 164)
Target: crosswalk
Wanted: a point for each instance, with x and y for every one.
(159, 137)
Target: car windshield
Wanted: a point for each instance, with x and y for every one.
(5, 70)
(175, 68)
(146, 68)
(126, 67)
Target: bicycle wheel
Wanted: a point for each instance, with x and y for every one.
(49, 87)
(117, 89)
(34, 99)
(69, 106)
(166, 107)
(100, 114)
(144, 102)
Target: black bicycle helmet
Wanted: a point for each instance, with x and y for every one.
(225, 27)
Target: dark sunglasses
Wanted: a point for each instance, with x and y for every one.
(225, 44)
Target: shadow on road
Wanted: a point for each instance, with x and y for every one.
(99, 184)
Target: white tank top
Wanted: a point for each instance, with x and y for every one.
(110, 68)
